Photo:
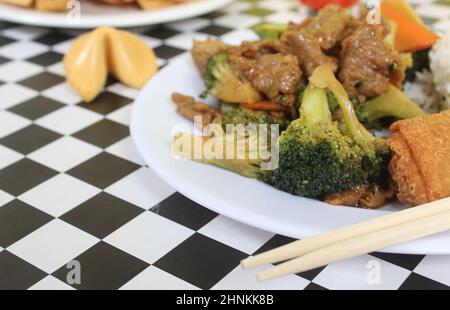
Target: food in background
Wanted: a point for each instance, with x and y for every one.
(420, 166)
(41, 5)
(157, 4)
(62, 5)
(107, 50)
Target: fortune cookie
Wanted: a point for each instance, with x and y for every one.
(107, 50)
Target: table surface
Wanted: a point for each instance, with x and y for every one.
(72, 186)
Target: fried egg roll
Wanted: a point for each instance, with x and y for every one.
(420, 165)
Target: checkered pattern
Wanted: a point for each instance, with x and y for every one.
(72, 185)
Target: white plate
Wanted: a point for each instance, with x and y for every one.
(94, 15)
(242, 199)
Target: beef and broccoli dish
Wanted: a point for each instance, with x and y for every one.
(328, 82)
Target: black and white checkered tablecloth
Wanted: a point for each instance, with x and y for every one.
(72, 186)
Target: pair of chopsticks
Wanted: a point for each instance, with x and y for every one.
(357, 239)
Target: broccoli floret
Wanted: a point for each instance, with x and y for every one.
(393, 104)
(233, 114)
(268, 31)
(224, 83)
(316, 158)
(374, 151)
(248, 165)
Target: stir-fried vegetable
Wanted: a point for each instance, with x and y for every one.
(265, 105)
(234, 114)
(269, 31)
(411, 34)
(405, 7)
(374, 149)
(224, 83)
(394, 103)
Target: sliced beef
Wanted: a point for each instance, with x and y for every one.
(307, 49)
(189, 108)
(203, 50)
(330, 27)
(240, 63)
(270, 72)
(255, 49)
(275, 74)
(349, 198)
(362, 196)
(367, 65)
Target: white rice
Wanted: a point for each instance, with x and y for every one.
(423, 92)
(440, 66)
(431, 90)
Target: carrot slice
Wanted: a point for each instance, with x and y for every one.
(264, 106)
(406, 8)
(411, 35)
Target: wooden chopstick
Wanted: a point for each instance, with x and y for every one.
(366, 243)
(300, 247)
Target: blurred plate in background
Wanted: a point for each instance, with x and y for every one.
(94, 15)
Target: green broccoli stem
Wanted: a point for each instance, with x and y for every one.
(394, 103)
(245, 168)
(314, 107)
(249, 165)
(323, 77)
(269, 31)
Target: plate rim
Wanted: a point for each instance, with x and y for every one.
(182, 11)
